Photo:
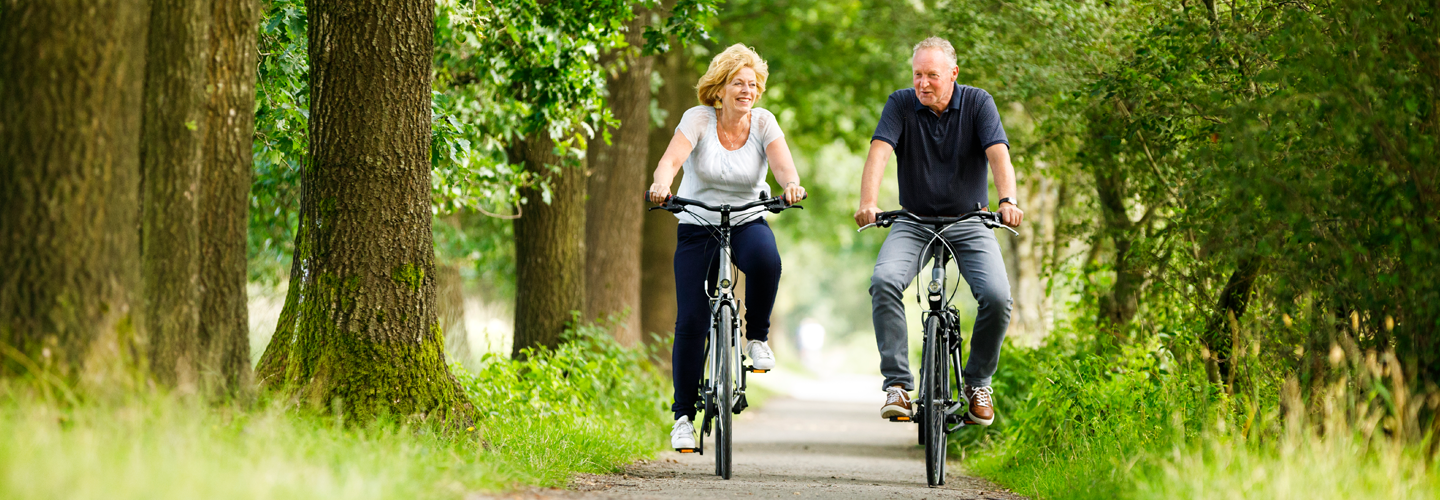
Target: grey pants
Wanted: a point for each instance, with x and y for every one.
(977, 254)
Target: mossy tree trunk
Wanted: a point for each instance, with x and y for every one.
(614, 208)
(359, 326)
(549, 247)
(224, 329)
(657, 259)
(71, 93)
(173, 137)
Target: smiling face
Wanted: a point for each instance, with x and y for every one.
(741, 92)
(934, 78)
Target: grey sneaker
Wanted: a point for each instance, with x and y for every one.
(897, 403)
(682, 435)
(760, 355)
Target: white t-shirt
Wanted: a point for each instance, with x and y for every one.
(716, 175)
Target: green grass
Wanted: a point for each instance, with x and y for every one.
(1139, 424)
(157, 446)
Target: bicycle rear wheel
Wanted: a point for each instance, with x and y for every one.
(933, 395)
(725, 398)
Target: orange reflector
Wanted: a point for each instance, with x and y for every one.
(687, 450)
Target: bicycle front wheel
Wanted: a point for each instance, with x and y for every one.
(933, 396)
(725, 403)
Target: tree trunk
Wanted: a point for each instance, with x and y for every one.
(71, 95)
(1220, 329)
(1028, 250)
(170, 157)
(657, 274)
(359, 328)
(224, 330)
(549, 247)
(1120, 304)
(617, 177)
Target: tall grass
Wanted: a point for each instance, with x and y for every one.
(1141, 424)
(537, 430)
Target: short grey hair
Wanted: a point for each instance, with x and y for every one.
(936, 43)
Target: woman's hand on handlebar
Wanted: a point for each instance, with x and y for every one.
(659, 193)
(794, 193)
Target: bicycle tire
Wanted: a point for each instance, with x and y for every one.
(934, 400)
(725, 400)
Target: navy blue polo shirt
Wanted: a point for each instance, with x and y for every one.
(942, 165)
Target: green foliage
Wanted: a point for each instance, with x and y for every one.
(503, 70)
(282, 118)
(1256, 136)
(1270, 141)
(589, 372)
(1146, 424)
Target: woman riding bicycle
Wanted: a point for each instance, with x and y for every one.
(724, 145)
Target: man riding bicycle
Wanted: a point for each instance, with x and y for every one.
(943, 134)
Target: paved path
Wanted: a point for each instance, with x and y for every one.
(819, 438)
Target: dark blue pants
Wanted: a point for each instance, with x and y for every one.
(697, 262)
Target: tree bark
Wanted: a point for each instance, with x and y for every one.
(1028, 250)
(657, 274)
(615, 209)
(1118, 306)
(173, 135)
(71, 94)
(1220, 329)
(224, 329)
(359, 328)
(549, 247)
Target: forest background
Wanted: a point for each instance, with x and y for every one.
(1225, 285)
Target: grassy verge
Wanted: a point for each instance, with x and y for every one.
(1141, 424)
(588, 406)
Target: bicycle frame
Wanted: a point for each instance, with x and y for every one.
(937, 406)
(723, 395)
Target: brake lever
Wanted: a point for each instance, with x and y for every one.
(993, 225)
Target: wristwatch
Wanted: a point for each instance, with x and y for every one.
(1010, 200)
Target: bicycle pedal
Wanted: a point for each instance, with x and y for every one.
(686, 450)
(901, 418)
(752, 369)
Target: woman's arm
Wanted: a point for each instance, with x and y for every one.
(783, 165)
(670, 163)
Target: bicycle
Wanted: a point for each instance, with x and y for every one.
(724, 356)
(937, 410)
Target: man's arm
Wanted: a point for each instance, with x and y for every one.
(870, 181)
(999, 156)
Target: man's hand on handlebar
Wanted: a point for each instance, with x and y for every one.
(866, 215)
(1010, 214)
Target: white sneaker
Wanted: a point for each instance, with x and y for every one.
(760, 356)
(682, 435)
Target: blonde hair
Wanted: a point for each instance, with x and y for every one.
(724, 67)
(936, 43)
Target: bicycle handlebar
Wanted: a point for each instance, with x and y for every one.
(676, 204)
(989, 219)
